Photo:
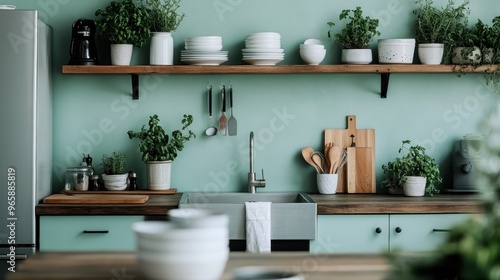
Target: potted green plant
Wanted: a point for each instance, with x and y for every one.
(465, 49)
(115, 176)
(159, 150)
(488, 38)
(356, 35)
(402, 172)
(433, 27)
(124, 25)
(163, 20)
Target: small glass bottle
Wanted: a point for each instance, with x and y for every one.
(132, 177)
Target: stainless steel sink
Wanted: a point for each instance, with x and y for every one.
(293, 215)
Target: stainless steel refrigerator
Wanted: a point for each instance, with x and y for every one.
(25, 129)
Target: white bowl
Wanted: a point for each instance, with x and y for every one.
(396, 50)
(264, 35)
(208, 266)
(311, 47)
(313, 57)
(190, 246)
(263, 46)
(197, 218)
(313, 42)
(168, 231)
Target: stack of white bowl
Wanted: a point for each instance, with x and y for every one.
(204, 50)
(263, 48)
(194, 245)
(312, 51)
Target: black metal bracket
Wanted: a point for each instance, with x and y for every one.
(135, 86)
(384, 84)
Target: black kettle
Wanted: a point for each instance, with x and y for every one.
(83, 50)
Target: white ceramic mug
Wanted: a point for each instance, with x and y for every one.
(327, 183)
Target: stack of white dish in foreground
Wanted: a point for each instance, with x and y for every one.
(263, 48)
(205, 50)
(312, 51)
(194, 245)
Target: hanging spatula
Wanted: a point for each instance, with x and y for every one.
(223, 119)
(232, 125)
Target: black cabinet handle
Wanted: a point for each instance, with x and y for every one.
(398, 230)
(440, 230)
(378, 230)
(96, 231)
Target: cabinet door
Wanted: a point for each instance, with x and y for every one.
(421, 232)
(87, 233)
(351, 234)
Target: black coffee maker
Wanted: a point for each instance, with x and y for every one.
(83, 50)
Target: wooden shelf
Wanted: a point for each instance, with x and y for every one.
(384, 69)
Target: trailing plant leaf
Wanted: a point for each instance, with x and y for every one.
(156, 145)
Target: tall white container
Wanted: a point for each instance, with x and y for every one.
(162, 49)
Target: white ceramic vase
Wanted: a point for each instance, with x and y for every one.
(121, 54)
(414, 186)
(161, 51)
(398, 51)
(460, 56)
(158, 173)
(357, 56)
(430, 54)
(116, 182)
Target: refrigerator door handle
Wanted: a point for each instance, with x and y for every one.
(18, 257)
(96, 231)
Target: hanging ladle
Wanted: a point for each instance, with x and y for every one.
(212, 130)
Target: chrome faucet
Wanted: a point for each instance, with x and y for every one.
(252, 181)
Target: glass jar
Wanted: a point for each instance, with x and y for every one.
(77, 178)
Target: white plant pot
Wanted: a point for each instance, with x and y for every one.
(459, 56)
(396, 51)
(161, 51)
(414, 186)
(116, 182)
(430, 54)
(488, 56)
(158, 173)
(357, 56)
(121, 54)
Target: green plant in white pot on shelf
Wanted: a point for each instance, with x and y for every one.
(465, 46)
(159, 150)
(414, 169)
(124, 25)
(115, 176)
(433, 27)
(488, 38)
(355, 37)
(163, 20)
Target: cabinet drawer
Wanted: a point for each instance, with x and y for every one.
(421, 232)
(87, 233)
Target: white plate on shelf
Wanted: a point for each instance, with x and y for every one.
(204, 61)
(262, 61)
(254, 50)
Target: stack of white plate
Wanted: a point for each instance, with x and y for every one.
(263, 48)
(205, 50)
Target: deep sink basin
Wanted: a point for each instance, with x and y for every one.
(293, 215)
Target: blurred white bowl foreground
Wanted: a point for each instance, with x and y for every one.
(312, 56)
(191, 218)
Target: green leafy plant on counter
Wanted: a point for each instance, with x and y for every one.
(163, 15)
(156, 145)
(114, 164)
(358, 32)
(414, 162)
(471, 250)
(123, 23)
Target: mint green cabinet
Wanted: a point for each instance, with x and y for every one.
(87, 233)
(382, 233)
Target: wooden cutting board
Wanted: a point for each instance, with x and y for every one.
(96, 199)
(359, 138)
(360, 175)
(138, 192)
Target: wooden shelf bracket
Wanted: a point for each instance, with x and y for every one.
(384, 84)
(135, 86)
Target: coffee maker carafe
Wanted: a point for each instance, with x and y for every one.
(83, 50)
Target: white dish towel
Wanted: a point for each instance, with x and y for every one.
(258, 226)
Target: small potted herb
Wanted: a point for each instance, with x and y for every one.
(159, 150)
(115, 176)
(163, 20)
(124, 25)
(433, 27)
(488, 38)
(414, 167)
(355, 37)
(465, 46)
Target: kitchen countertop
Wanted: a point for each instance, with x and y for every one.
(106, 265)
(158, 205)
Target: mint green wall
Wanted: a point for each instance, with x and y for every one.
(286, 112)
